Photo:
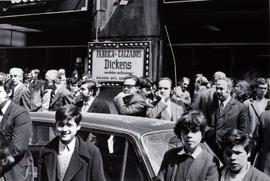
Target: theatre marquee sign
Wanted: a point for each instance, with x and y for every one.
(111, 62)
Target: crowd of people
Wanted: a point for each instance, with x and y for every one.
(232, 116)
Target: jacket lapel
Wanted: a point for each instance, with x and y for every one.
(57, 96)
(5, 118)
(51, 159)
(227, 108)
(93, 106)
(51, 162)
(76, 162)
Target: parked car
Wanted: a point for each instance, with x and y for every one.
(132, 148)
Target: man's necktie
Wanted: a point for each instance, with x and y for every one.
(221, 106)
(52, 96)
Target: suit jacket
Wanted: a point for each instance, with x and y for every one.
(263, 162)
(97, 106)
(61, 98)
(159, 111)
(133, 105)
(36, 90)
(22, 97)
(85, 163)
(206, 101)
(17, 125)
(233, 116)
(203, 167)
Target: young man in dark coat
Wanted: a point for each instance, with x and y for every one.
(16, 125)
(189, 162)
(68, 157)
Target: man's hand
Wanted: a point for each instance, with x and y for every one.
(121, 94)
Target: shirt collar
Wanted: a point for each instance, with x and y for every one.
(4, 109)
(226, 101)
(225, 174)
(194, 155)
(69, 146)
(17, 86)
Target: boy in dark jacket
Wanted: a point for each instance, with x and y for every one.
(189, 162)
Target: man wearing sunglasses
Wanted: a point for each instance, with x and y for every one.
(129, 101)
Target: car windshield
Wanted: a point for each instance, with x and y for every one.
(156, 144)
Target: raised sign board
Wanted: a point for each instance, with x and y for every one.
(111, 62)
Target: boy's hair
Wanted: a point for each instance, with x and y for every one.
(8, 86)
(236, 137)
(68, 112)
(145, 82)
(193, 121)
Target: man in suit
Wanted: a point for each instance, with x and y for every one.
(21, 95)
(89, 102)
(36, 87)
(204, 100)
(56, 95)
(68, 157)
(129, 101)
(164, 108)
(16, 125)
(229, 114)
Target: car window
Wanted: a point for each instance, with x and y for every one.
(118, 153)
(156, 144)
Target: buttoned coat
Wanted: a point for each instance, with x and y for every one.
(233, 116)
(133, 105)
(62, 97)
(159, 111)
(22, 96)
(85, 163)
(17, 125)
(203, 168)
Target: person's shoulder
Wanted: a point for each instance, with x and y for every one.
(137, 97)
(85, 148)
(256, 175)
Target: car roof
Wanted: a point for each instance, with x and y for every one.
(137, 126)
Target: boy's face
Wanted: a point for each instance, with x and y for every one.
(191, 139)
(235, 158)
(67, 130)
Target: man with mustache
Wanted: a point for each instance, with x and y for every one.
(229, 114)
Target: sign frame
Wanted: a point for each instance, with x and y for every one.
(143, 45)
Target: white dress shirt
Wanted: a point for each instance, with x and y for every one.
(64, 155)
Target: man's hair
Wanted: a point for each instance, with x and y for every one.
(228, 80)
(193, 121)
(145, 82)
(183, 79)
(236, 137)
(17, 70)
(168, 79)
(68, 112)
(134, 77)
(260, 81)
(8, 86)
